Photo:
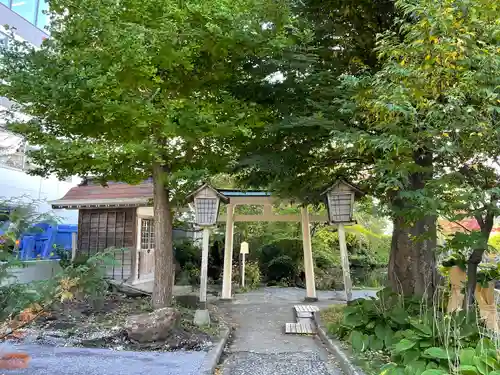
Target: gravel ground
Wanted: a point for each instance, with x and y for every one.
(79, 361)
(259, 345)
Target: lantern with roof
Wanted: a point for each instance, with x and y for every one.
(340, 202)
(206, 202)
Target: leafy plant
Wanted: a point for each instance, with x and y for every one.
(75, 281)
(87, 279)
(418, 340)
(64, 256)
(252, 275)
(487, 273)
(375, 321)
(457, 259)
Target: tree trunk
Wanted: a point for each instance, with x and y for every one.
(486, 225)
(472, 264)
(412, 262)
(164, 254)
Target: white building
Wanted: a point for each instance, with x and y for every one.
(27, 20)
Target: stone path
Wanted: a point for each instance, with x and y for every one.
(259, 345)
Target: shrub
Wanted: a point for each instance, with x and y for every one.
(190, 275)
(252, 275)
(327, 279)
(417, 339)
(282, 268)
(289, 247)
(187, 253)
(85, 279)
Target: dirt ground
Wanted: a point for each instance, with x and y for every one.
(101, 325)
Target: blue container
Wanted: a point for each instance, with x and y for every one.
(40, 245)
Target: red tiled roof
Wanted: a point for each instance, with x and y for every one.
(467, 224)
(112, 191)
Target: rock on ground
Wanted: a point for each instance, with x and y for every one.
(154, 326)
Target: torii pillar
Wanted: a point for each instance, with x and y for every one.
(308, 257)
(228, 254)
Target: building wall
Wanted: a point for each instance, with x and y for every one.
(30, 271)
(28, 21)
(18, 184)
(99, 229)
(27, 17)
(178, 234)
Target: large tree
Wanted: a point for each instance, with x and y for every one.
(397, 123)
(432, 109)
(132, 89)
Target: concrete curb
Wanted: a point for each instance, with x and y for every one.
(212, 359)
(344, 361)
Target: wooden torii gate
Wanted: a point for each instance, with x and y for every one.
(264, 199)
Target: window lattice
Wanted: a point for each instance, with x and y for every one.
(147, 234)
(206, 211)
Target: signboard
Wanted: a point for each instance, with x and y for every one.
(244, 248)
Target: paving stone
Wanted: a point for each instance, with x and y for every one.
(277, 364)
(260, 345)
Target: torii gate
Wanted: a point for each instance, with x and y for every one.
(261, 198)
(339, 200)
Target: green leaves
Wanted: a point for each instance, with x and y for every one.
(467, 356)
(359, 341)
(484, 345)
(148, 88)
(426, 343)
(399, 315)
(403, 345)
(422, 329)
(438, 353)
(354, 320)
(468, 370)
(433, 372)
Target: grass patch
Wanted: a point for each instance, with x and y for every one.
(332, 314)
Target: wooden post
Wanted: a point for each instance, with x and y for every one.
(345, 262)
(243, 270)
(308, 258)
(74, 242)
(201, 315)
(137, 251)
(204, 268)
(228, 253)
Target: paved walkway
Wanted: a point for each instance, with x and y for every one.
(259, 345)
(80, 361)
